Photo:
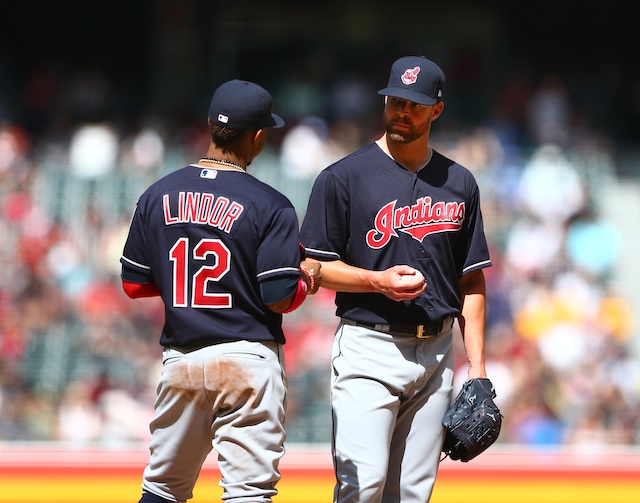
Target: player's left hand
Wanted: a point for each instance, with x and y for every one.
(473, 422)
(313, 272)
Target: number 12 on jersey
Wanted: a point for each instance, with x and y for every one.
(199, 280)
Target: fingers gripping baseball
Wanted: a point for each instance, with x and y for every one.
(412, 278)
(402, 282)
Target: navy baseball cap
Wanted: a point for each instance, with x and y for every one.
(417, 79)
(239, 104)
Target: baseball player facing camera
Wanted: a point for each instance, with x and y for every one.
(222, 250)
(399, 231)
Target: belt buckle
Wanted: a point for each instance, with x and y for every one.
(420, 333)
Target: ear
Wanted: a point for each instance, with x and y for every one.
(258, 140)
(437, 110)
(259, 135)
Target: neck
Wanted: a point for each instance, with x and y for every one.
(412, 155)
(223, 162)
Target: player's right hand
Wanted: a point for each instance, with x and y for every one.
(401, 282)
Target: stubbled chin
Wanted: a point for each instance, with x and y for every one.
(397, 137)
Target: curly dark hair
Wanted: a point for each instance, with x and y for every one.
(225, 137)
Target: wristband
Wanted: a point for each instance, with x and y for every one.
(309, 274)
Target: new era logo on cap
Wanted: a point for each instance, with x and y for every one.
(223, 118)
(417, 79)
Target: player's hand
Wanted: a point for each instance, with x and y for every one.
(401, 282)
(312, 274)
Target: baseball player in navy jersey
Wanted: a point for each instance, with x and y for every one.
(222, 249)
(399, 231)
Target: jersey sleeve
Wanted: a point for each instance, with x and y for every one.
(278, 253)
(475, 255)
(136, 267)
(277, 289)
(326, 223)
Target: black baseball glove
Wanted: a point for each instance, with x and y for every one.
(472, 422)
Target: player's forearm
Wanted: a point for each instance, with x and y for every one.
(399, 283)
(473, 334)
(341, 277)
(472, 322)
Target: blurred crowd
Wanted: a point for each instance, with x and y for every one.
(79, 360)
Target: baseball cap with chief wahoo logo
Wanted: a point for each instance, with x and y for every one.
(417, 79)
(239, 104)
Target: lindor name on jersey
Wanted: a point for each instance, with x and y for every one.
(202, 208)
(419, 220)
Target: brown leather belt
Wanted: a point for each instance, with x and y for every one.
(423, 331)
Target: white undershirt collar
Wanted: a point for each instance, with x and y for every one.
(380, 145)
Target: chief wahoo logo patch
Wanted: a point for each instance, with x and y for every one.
(410, 76)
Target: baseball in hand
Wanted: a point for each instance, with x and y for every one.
(415, 276)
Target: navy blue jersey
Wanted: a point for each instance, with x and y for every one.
(207, 238)
(370, 212)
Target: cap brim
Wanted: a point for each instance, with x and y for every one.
(406, 94)
(277, 121)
